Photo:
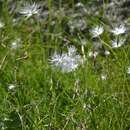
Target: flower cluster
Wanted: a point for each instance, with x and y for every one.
(117, 31)
(76, 24)
(67, 62)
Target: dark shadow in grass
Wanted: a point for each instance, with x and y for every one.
(14, 123)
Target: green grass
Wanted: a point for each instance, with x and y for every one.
(46, 98)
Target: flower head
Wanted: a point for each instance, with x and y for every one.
(107, 52)
(67, 62)
(1, 24)
(16, 43)
(71, 50)
(96, 31)
(79, 4)
(93, 54)
(118, 43)
(103, 76)
(11, 87)
(128, 70)
(29, 9)
(119, 30)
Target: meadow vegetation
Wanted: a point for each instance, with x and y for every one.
(65, 65)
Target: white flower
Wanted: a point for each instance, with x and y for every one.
(11, 87)
(79, 4)
(93, 54)
(119, 30)
(107, 52)
(118, 43)
(67, 62)
(29, 9)
(84, 106)
(1, 24)
(96, 31)
(15, 44)
(103, 76)
(128, 70)
(71, 50)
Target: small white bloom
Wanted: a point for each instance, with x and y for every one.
(96, 31)
(71, 50)
(107, 52)
(15, 44)
(93, 54)
(103, 76)
(128, 70)
(90, 54)
(11, 87)
(29, 9)
(119, 43)
(6, 119)
(84, 106)
(79, 4)
(119, 30)
(1, 24)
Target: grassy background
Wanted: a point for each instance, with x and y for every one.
(45, 98)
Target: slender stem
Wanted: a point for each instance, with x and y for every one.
(83, 52)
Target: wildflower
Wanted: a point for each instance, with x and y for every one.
(84, 106)
(107, 52)
(118, 43)
(11, 87)
(119, 30)
(128, 70)
(96, 31)
(1, 24)
(81, 7)
(67, 62)
(15, 44)
(103, 76)
(79, 4)
(29, 9)
(6, 119)
(71, 50)
(93, 54)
